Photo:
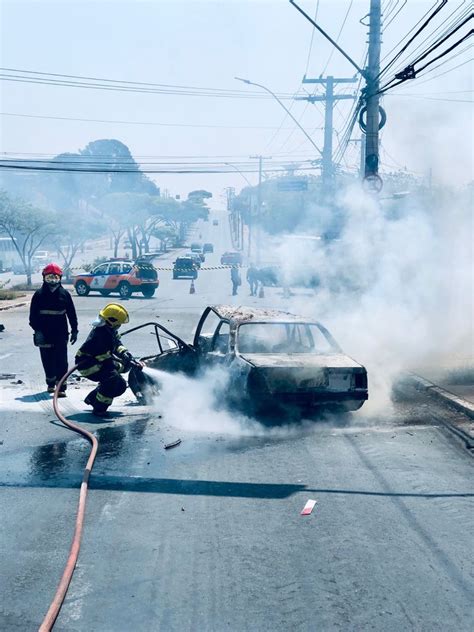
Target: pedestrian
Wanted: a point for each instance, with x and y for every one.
(50, 310)
(102, 358)
(252, 279)
(235, 278)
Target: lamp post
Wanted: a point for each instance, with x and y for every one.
(297, 123)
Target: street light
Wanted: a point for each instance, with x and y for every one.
(229, 164)
(259, 85)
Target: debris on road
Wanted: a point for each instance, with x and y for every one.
(7, 376)
(173, 444)
(308, 508)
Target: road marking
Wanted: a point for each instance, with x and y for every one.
(7, 355)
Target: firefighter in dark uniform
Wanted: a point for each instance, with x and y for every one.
(51, 308)
(102, 358)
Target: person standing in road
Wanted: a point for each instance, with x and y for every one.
(252, 279)
(235, 278)
(51, 308)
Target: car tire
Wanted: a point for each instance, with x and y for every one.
(104, 292)
(125, 290)
(82, 289)
(148, 292)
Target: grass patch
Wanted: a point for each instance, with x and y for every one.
(9, 295)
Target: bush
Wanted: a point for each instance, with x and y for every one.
(8, 294)
(88, 266)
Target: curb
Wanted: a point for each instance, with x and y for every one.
(463, 431)
(441, 393)
(12, 306)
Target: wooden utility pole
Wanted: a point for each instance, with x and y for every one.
(372, 108)
(329, 99)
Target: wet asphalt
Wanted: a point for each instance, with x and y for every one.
(208, 535)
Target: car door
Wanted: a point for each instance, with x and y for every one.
(168, 353)
(99, 276)
(114, 272)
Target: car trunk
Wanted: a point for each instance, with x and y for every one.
(307, 372)
(146, 272)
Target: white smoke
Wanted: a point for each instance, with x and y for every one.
(395, 289)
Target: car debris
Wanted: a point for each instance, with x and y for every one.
(173, 444)
(7, 376)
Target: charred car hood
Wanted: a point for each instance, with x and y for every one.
(300, 360)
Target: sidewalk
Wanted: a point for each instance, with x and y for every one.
(16, 302)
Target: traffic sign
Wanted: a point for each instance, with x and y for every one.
(293, 184)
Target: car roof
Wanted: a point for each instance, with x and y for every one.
(241, 314)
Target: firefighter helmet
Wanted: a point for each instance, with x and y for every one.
(52, 268)
(114, 314)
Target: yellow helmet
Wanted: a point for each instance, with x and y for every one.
(114, 314)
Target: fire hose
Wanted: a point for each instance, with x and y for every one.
(61, 591)
(63, 585)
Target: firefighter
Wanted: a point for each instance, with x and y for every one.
(235, 278)
(102, 358)
(51, 308)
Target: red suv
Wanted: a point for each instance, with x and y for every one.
(121, 276)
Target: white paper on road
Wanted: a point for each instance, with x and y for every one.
(308, 508)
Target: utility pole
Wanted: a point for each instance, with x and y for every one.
(375, 115)
(329, 98)
(259, 208)
(372, 107)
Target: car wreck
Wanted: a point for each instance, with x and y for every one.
(273, 358)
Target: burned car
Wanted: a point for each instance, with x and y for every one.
(273, 358)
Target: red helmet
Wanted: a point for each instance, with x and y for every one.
(52, 268)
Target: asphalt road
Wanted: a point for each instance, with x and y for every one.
(208, 536)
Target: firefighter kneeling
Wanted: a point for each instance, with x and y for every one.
(103, 357)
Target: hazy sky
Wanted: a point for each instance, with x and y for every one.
(206, 44)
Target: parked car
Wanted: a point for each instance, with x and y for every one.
(120, 276)
(215, 222)
(208, 248)
(231, 258)
(185, 267)
(18, 268)
(273, 358)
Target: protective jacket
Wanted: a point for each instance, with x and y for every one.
(101, 350)
(50, 311)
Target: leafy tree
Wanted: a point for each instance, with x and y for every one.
(27, 226)
(72, 236)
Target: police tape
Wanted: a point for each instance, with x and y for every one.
(227, 267)
(202, 269)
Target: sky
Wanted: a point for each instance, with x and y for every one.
(207, 44)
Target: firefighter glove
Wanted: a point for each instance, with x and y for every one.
(73, 337)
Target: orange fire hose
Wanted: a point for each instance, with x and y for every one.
(63, 586)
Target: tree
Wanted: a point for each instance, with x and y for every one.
(72, 235)
(27, 226)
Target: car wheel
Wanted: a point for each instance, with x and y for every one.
(125, 290)
(82, 289)
(104, 292)
(148, 292)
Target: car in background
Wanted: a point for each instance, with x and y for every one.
(208, 248)
(231, 258)
(215, 222)
(197, 247)
(185, 267)
(119, 276)
(18, 268)
(275, 360)
(195, 256)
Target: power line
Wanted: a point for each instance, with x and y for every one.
(338, 35)
(134, 87)
(88, 120)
